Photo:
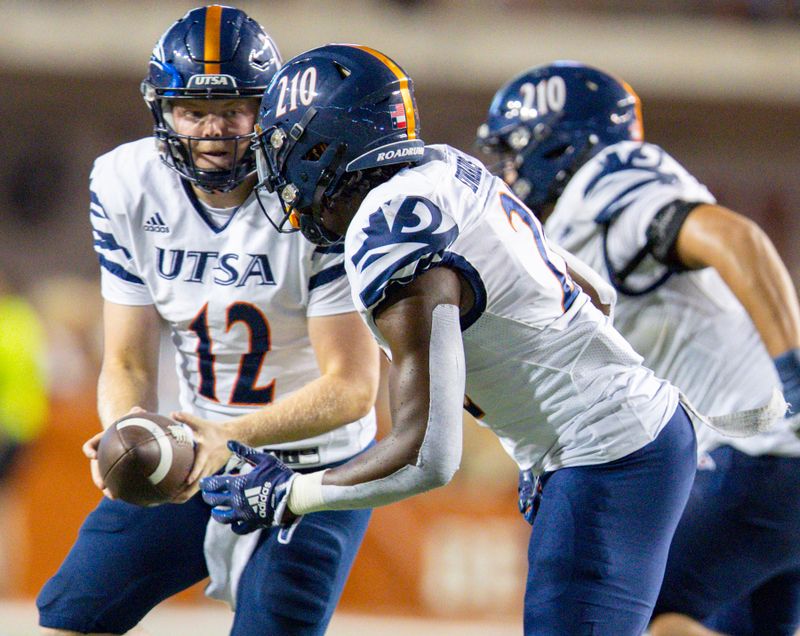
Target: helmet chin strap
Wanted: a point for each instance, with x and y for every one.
(315, 232)
(311, 224)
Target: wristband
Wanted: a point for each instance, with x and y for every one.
(788, 367)
(306, 493)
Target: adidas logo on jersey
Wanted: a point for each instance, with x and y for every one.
(156, 224)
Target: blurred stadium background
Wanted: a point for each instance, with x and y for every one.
(720, 84)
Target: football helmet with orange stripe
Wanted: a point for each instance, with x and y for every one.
(548, 121)
(329, 119)
(213, 52)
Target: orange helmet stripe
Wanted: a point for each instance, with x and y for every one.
(211, 41)
(408, 102)
(638, 130)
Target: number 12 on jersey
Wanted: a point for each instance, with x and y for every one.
(245, 391)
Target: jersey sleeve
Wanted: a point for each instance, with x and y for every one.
(119, 279)
(402, 239)
(634, 185)
(328, 289)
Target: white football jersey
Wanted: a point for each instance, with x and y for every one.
(551, 376)
(235, 293)
(691, 329)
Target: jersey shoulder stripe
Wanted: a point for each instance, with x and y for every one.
(326, 276)
(106, 241)
(118, 270)
(95, 207)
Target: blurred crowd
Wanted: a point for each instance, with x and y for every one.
(767, 10)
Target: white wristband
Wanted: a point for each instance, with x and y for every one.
(306, 493)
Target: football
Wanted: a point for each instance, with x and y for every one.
(144, 458)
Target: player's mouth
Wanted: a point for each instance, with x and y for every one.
(213, 159)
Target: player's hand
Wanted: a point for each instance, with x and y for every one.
(211, 451)
(89, 449)
(253, 500)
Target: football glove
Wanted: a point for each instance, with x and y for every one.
(529, 490)
(252, 500)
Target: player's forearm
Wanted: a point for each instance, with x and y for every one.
(423, 450)
(320, 406)
(120, 387)
(755, 273)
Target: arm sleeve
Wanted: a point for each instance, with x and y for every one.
(440, 454)
(662, 233)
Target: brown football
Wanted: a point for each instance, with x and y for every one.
(144, 458)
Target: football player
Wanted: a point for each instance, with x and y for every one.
(453, 276)
(705, 298)
(270, 351)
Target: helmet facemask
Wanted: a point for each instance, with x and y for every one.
(212, 53)
(321, 147)
(178, 150)
(322, 164)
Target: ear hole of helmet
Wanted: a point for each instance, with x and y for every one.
(315, 153)
(354, 186)
(343, 71)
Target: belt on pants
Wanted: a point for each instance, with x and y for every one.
(296, 456)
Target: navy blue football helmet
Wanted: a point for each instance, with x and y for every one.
(213, 52)
(328, 115)
(548, 121)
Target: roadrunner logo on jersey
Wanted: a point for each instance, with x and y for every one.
(156, 224)
(403, 238)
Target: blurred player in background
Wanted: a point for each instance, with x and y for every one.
(270, 351)
(705, 298)
(436, 246)
(23, 410)
(23, 386)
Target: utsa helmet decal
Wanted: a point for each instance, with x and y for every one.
(213, 52)
(332, 112)
(551, 119)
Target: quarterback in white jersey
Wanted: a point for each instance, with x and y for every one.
(269, 351)
(457, 283)
(703, 296)
(236, 296)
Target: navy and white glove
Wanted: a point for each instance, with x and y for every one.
(529, 490)
(788, 367)
(252, 500)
